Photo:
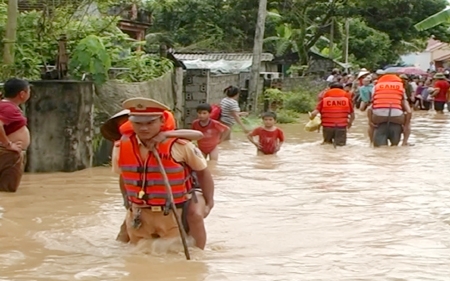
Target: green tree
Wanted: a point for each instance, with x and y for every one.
(397, 18)
(370, 47)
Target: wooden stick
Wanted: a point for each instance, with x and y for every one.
(183, 234)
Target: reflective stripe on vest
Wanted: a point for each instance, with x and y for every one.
(144, 176)
(335, 108)
(388, 94)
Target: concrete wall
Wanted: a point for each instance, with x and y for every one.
(60, 119)
(217, 83)
(167, 89)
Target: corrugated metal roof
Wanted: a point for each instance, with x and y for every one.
(221, 56)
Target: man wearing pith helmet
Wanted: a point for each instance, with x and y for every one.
(148, 216)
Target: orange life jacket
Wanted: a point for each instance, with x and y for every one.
(152, 192)
(336, 106)
(388, 92)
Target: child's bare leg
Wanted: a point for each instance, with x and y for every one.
(214, 155)
(363, 106)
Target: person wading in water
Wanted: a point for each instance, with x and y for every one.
(119, 127)
(337, 114)
(147, 217)
(14, 134)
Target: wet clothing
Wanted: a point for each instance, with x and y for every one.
(11, 169)
(337, 135)
(387, 132)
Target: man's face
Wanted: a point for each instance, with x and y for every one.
(25, 95)
(147, 129)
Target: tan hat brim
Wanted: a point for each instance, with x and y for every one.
(142, 118)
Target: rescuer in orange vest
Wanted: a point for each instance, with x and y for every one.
(390, 113)
(336, 110)
(132, 158)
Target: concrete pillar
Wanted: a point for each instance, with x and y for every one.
(60, 119)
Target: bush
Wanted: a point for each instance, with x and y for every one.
(285, 116)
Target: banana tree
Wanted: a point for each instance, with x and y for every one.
(434, 20)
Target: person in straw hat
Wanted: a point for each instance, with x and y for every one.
(147, 216)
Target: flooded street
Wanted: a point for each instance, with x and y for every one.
(311, 213)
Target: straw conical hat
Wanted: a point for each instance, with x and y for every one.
(110, 129)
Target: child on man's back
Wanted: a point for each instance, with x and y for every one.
(213, 131)
(270, 138)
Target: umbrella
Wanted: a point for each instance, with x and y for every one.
(406, 70)
(110, 129)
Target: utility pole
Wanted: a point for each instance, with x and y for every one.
(10, 34)
(257, 51)
(347, 36)
(331, 38)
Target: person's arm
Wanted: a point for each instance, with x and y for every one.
(251, 135)
(406, 108)
(317, 110)
(352, 118)
(193, 157)
(222, 129)
(115, 158)
(238, 119)
(280, 139)
(3, 137)
(184, 134)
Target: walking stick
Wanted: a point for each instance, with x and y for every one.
(183, 234)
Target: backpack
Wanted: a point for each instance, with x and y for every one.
(216, 111)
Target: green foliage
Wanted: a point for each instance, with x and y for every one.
(300, 100)
(144, 67)
(285, 116)
(94, 44)
(90, 57)
(364, 38)
(302, 25)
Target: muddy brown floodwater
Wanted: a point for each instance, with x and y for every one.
(311, 213)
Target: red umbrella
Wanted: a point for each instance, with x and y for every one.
(406, 70)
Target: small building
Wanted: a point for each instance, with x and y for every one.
(318, 63)
(225, 62)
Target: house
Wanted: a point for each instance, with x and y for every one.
(318, 63)
(134, 20)
(435, 51)
(225, 62)
(440, 54)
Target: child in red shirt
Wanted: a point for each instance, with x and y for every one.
(270, 138)
(213, 131)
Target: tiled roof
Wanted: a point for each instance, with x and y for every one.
(221, 56)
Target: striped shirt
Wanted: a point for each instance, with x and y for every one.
(228, 106)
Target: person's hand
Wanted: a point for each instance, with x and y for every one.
(208, 209)
(160, 137)
(277, 148)
(247, 131)
(15, 146)
(349, 125)
(373, 125)
(258, 145)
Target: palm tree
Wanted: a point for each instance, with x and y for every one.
(434, 20)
